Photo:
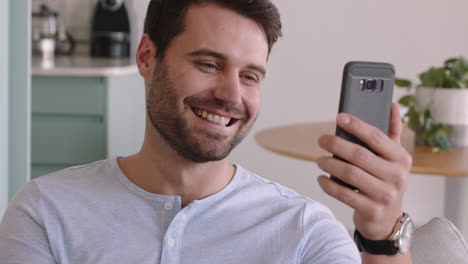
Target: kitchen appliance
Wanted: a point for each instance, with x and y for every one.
(110, 30)
(49, 35)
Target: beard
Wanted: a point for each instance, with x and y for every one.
(162, 110)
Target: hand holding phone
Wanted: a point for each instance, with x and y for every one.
(366, 92)
(380, 171)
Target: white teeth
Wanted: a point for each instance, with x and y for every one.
(212, 117)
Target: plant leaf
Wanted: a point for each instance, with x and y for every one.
(413, 118)
(434, 77)
(442, 142)
(452, 82)
(403, 83)
(457, 69)
(407, 100)
(449, 62)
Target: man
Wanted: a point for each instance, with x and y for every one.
(179, 200)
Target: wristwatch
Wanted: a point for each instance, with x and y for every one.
(398, 243)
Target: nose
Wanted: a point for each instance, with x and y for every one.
(230, 89)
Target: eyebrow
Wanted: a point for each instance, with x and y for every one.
(214, 54)
(207, 52)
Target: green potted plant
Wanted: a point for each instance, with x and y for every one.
(438, 112)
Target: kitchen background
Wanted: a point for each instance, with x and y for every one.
(77, 16)
(305, 73)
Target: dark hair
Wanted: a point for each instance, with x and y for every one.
(165, 18)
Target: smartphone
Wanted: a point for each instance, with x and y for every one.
(366, 92)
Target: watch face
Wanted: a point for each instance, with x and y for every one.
(404, 240)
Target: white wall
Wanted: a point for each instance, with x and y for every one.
(126, 97)
(3, 105)
(305, 70)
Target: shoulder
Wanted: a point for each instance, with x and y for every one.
(27, 199)
(73, 173)
(64, 179)
(70, 186)
(77, 177)
(262, 188)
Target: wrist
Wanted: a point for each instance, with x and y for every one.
(397, 244)
(381, 231)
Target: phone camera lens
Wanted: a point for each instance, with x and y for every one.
(371, 84)
(379, 86)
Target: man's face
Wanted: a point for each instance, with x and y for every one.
(204, 95)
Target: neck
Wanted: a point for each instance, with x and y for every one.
(157, 168)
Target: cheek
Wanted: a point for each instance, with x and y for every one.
(252, 101)
(191, 83)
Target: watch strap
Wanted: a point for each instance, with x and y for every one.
(375, 247)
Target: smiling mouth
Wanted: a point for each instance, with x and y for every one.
(213, 118)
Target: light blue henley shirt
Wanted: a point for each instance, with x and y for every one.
(94, 214)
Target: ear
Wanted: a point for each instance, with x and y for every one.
(146, 57)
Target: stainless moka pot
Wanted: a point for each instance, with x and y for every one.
(49, 35)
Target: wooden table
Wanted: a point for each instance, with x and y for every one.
(300, 141)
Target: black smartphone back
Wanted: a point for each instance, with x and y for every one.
(366, 92)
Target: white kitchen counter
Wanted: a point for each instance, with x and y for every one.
(83, 66)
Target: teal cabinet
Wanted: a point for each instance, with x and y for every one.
(69, 95)
(70, 120)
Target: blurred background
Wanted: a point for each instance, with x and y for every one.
(303, 85)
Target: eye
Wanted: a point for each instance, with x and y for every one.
(251, 78)
(207, 66)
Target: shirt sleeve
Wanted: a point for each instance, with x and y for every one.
(326, 241)
(23, 238)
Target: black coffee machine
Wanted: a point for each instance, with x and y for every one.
(110, 30)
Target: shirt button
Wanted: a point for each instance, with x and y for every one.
(170, 242)
(168, 206)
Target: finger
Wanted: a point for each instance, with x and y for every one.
(396, 127)
(359, 156)
(367, 184)
(370, 135)
(356, 200)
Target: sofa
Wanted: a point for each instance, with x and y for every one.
(438, 242)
